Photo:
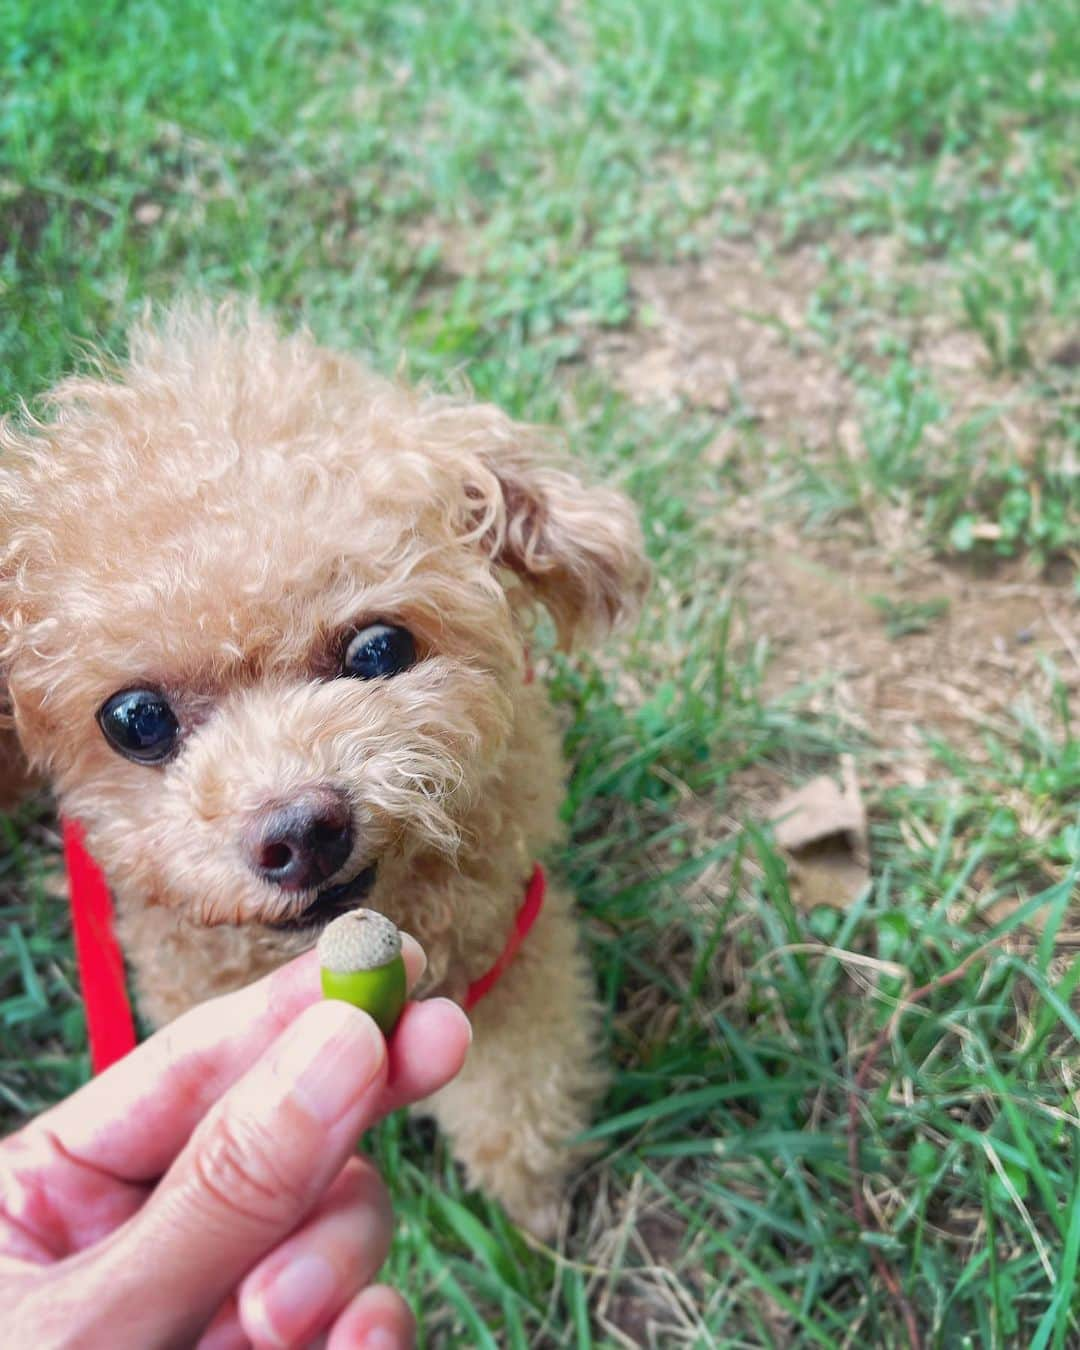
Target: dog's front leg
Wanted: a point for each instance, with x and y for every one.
(531, 1077)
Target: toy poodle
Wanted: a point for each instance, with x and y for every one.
(264, 626)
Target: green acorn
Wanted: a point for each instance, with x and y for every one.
(360, 960)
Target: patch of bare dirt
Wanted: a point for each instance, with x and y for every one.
(904, 646)
(730, 333)
(978, 648)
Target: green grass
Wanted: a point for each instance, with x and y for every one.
(475, 184)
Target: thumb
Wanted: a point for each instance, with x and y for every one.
(255, 1165)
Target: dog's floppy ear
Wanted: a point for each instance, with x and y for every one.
(576, 548)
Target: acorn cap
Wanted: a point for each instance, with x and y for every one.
(360, 940)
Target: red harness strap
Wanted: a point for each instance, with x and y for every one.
(526, 916)
(110, 1026)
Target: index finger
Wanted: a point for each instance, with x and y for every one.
(133, 1120)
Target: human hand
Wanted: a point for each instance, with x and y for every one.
(205, 1190)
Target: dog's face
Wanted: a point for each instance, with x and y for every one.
(261, 613)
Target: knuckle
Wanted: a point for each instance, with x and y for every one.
(238, 1169)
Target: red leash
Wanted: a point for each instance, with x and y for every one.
(110, 1026)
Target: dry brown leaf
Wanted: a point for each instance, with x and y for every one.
(822, 830)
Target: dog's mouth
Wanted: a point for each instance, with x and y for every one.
(330, 902)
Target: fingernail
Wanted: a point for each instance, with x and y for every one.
(329, 1056)
(294, 1303)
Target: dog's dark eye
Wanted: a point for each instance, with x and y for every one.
(139, 724)
(377, 651)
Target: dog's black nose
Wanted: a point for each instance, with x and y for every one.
(301, 843)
